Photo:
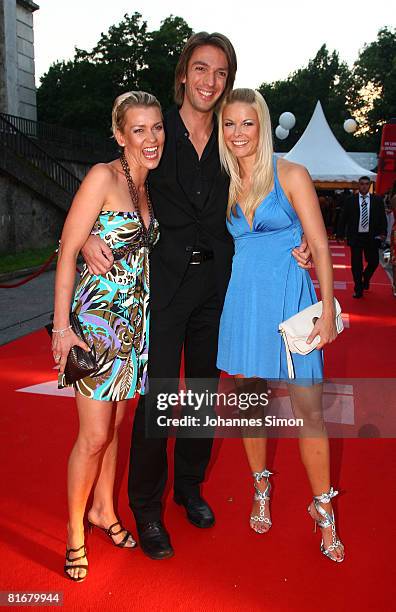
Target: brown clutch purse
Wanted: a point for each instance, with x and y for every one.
(79, 363)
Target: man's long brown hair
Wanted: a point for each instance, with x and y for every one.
(199, 40)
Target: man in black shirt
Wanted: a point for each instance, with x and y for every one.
(189, 273)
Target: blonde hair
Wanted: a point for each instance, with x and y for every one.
(130, 99)
(263, 170)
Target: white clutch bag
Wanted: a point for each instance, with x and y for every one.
(296, 330)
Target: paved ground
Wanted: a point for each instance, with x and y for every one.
(26, 308)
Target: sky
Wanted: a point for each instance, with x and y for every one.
(272, 38)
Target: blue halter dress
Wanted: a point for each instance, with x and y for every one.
(266, 287)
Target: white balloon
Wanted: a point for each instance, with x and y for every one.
(350, 126)
(287, 120)
(281, 133)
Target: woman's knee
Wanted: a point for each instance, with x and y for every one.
(93, 443)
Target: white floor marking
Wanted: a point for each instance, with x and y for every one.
(48, 388)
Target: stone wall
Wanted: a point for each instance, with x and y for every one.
(17, 83)
(25, 60)
(8, 58)
(26, 220)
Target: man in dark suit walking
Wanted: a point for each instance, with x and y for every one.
(363, 223)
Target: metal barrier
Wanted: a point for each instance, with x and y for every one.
(13, 138)
(60, 135)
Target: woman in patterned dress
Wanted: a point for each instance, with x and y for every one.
(113, 312)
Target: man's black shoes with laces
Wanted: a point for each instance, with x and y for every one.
(154, 540)
(198, 511)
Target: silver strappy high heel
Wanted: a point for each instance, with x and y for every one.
(257, 522)
(328, 521)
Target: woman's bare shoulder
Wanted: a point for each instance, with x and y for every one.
(97, 184)
(293, 176)
(102, 171)
(291, 169)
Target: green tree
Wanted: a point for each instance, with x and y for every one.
(73, 94)
(163, 51)
(325, 78)
(375, 84)
(79, 93)
(123, 49)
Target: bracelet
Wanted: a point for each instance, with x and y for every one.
(61, 332)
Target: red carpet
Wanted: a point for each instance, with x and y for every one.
(228, 567)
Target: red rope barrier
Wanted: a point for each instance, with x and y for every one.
(32, 276)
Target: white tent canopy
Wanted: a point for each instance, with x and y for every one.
(323, 156)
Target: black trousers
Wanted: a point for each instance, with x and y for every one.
(191, 321)
(369, 247)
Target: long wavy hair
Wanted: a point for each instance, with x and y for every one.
(263, 170)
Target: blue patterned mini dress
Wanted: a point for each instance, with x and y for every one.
(266, 287)
(113, 308)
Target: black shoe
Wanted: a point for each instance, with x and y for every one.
(366, 285)
(358, 294)
(198, 511)
(154, 540)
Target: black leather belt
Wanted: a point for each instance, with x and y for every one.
(198, 257)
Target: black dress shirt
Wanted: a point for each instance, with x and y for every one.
(196, 175)
(188, 220)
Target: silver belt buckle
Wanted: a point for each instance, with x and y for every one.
(195, 263)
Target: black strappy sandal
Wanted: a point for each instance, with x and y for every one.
(67, 568)
(111, 533)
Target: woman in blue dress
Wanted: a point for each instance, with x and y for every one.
(271, 203)
(113, 310)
